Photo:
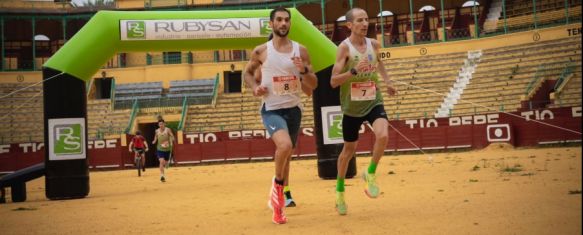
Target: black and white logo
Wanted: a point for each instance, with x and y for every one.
(498, 133)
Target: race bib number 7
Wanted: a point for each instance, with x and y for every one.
(285, 85)
(361, 91)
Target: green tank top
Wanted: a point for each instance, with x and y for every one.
(359, 86)
(164, 141)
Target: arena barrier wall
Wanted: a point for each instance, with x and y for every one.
(472, 132)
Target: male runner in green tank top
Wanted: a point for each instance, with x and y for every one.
(357, 71)
(165, 140)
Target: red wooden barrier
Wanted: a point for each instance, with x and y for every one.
(457, 132)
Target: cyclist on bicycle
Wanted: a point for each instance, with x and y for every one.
(140, 147)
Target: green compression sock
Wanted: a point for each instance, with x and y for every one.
(372, 168)
(339, 184)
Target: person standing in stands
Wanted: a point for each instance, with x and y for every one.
(356, 71)
(165, 140)
(285, 69)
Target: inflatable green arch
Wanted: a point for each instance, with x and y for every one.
(111, 32)
(101, 38)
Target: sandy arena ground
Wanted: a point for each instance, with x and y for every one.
(460, 193)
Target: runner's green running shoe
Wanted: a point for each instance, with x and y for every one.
(371, 189)
(340, 203)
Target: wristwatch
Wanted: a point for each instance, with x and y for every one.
(305, 70)
(353, 72)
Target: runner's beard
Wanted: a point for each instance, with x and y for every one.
(280, 34)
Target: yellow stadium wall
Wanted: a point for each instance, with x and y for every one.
(20, 76)
(135, 59)
(123, 4)
(482, 44)
(33, 4)
(204, 2)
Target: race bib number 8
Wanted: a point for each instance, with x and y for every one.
(285, 85)
(361, 91)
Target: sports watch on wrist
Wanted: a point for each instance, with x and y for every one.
(305, 70)
(353, 72)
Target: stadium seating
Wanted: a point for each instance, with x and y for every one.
(200, 88)
(102, 120)
(126, 94)
(24, 115)
(504, 73)
(232, 111)
(21, 113)
(525, 7)
(235, 111)
(131, 91)
(569, 94)
(499, 81)
(519, 13)
(412, 75)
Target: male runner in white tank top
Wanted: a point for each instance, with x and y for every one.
(356, 71)
(286, 71)
(289, 201)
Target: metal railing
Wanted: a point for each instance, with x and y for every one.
(569, 69)
(215, 91)
(88, 87)
(458, 34)
(183, 115)
(536, 80)
(112, 94)
(135, 111)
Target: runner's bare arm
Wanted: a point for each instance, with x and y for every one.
(341, 57)
(307, 90)
(155, 137)
(382, 70)
(381, 66)
(258, 75)
(309, 79)
(252, 66)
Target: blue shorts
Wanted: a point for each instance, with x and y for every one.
(288, 119)
(163, 154)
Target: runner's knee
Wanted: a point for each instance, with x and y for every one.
(382, 137)
(349, 149)
(285, 147)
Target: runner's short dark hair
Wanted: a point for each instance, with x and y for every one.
(277, 9)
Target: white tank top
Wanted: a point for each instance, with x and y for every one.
(281, 78)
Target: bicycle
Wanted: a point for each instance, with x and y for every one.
(138, 160)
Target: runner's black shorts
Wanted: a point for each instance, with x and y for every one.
(351, 125)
